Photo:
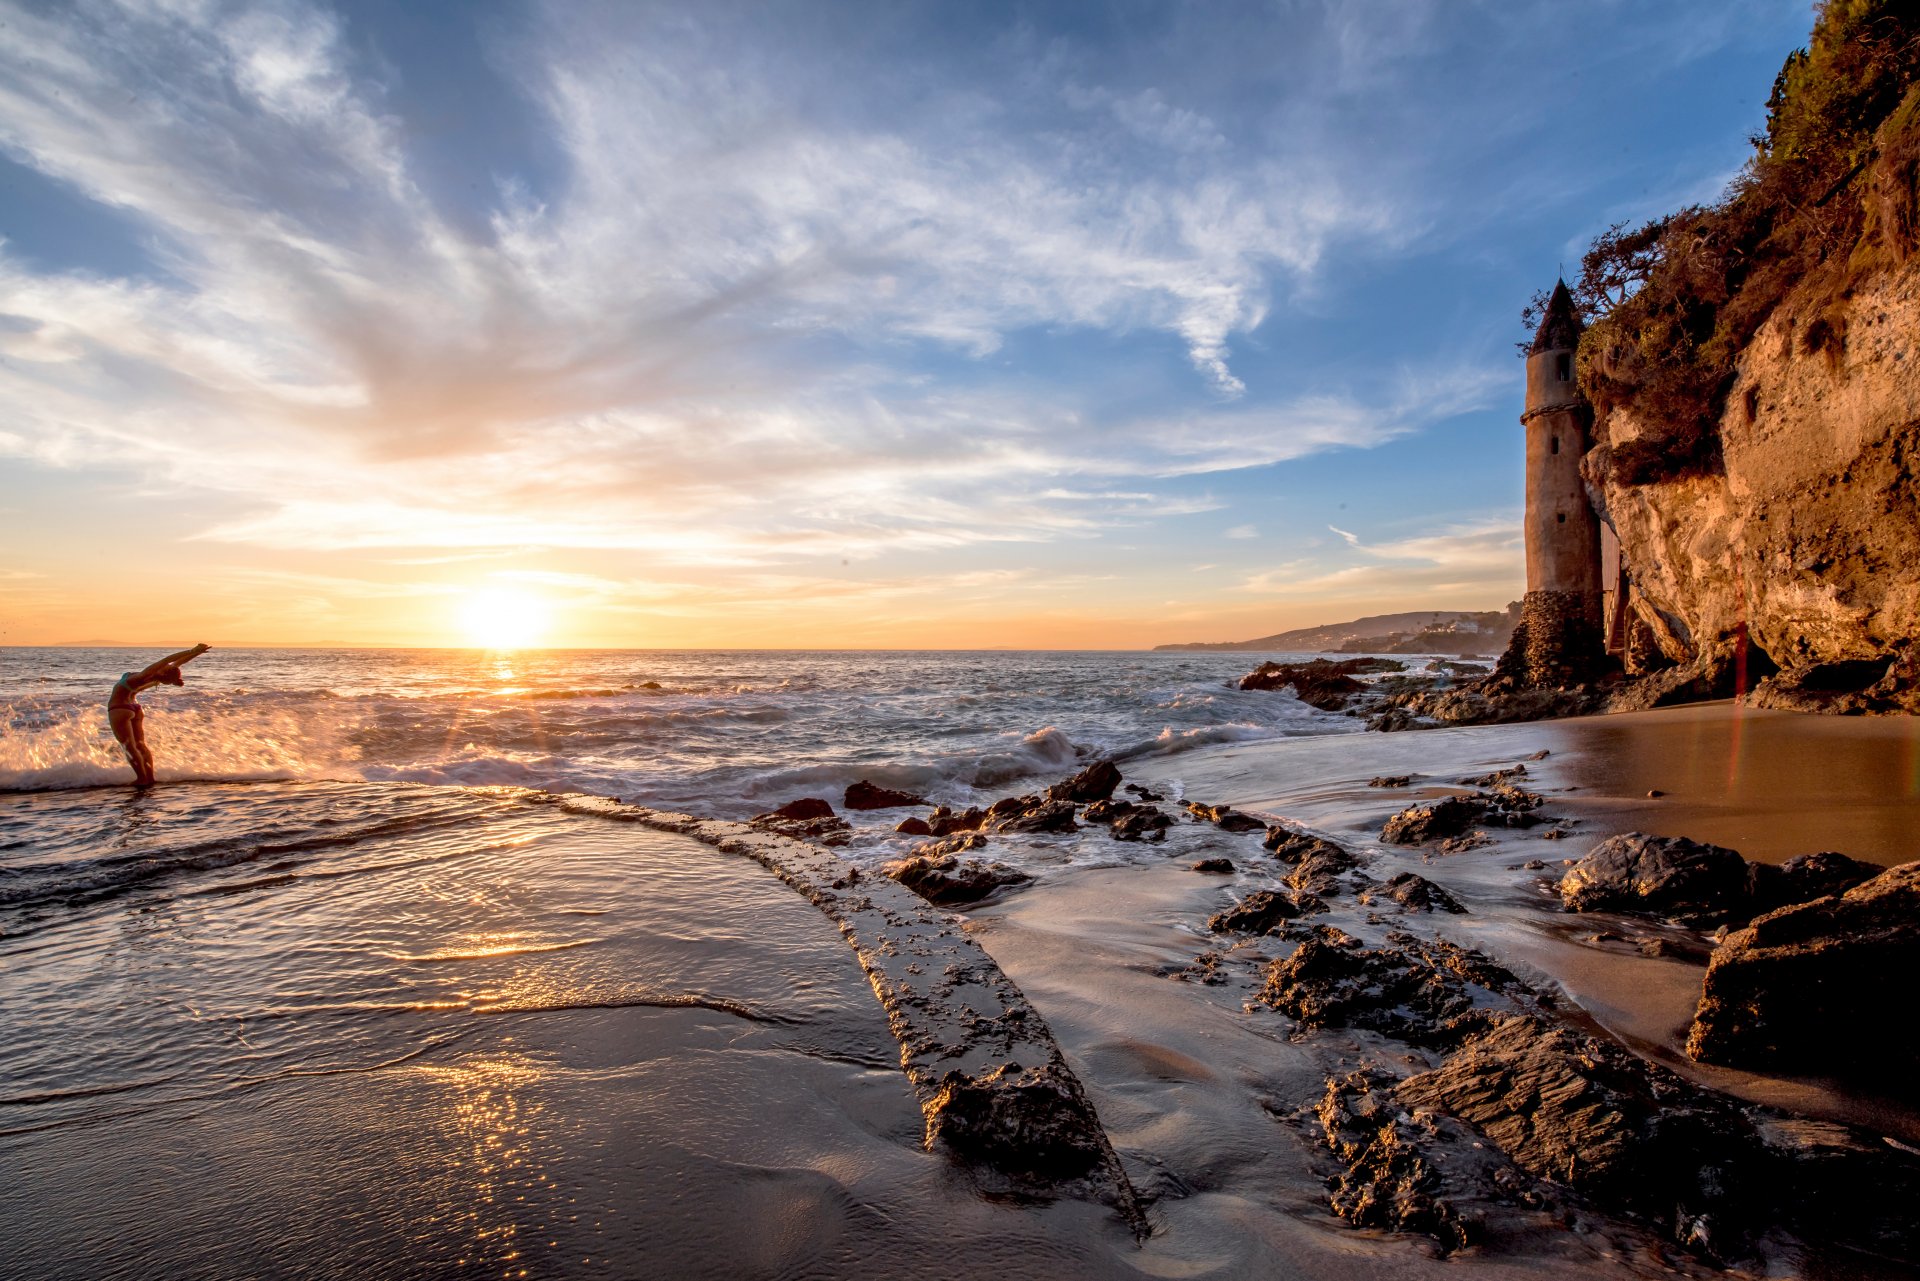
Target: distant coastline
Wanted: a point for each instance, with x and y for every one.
(1430, 631)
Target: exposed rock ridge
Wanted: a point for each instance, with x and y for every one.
(990, 1078)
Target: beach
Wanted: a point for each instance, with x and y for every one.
(379, 1025)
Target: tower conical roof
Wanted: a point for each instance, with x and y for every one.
(1560, 327)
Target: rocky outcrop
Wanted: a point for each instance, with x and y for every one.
(807, 819)
(1094, 783)
(1260, 912)
(1424, 991)
(1322, 682)
(1386, 1179)
(1586, 1113)
(1807, 987)
(942, 877)
(870, 796)
(1697, 883)
(1663, 875)
(1413, 892)
(1225, 817)
(1504, 806)
(1127, 821)
(1796, 553)
(1030, 1123)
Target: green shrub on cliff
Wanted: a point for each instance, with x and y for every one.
(1829, 197)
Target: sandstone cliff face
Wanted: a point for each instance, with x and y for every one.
(1809, 537)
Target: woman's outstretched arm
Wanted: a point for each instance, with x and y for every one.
(174, 660)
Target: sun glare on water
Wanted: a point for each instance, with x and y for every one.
(497, 618)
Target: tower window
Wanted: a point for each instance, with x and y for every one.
(1563, 366)
(1556, 444)
(1562, 518)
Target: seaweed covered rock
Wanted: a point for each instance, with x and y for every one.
(1663, 875)
(1807, 987)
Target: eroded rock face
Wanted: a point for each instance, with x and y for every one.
(870, 796)
(1807, 535)
(1664, 875)
(1424, 991)
(1385, 1181)
(1094, 783)
(1808, 986)
(1588, 1114)
(1033, 1124)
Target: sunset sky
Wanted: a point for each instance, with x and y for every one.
(879, 324)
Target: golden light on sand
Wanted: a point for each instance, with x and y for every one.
(501, 618)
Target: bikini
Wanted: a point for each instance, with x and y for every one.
(131, 703)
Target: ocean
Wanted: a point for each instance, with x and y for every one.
(343, 997)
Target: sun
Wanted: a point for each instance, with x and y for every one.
(500, 618)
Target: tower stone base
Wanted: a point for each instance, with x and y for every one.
(1558, 643)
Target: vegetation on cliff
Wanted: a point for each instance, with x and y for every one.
(1830, 198)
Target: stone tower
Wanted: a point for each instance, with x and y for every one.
(1562, 609)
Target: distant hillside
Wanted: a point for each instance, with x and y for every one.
(1429, 631)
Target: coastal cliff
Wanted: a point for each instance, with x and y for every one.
(1755, 381)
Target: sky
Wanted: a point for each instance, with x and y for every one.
(806, 325)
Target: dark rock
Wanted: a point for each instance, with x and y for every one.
(1143, 793)
(1418, 824)
(1290, 845)
(914, 827)
(958, 843)
(944, 879)
(1804, 877)
(1395, 719)
(1323, 683)
(1318, 871)
(1654, 793)
(1663, 875)
(1260, 912)
(1586, 1113)
(1415, 893)
(1425, 991)
(945, 822)
(1094, 783)
(1534, 864)
(1142, 823)
(1498, 776)
(1214, 865)
(807, 807)
(1044, 816)
(1390, 780)
(1033, 1124)
(648, 685)
(1225, 817)
(1809, 987)
(808, 819)
(1465, 841)
(866, 796)
(1385, 1181)
(1008, 805)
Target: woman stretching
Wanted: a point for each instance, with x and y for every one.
(126, 717)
